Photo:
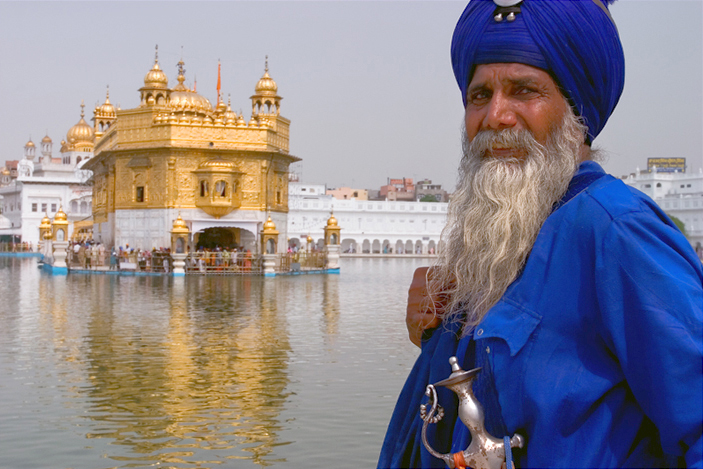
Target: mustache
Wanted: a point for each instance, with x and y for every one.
(485, 140)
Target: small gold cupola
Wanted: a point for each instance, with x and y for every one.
(60, 226)
(332, 230)
(30, 150)
(179, 235)
(266, 101)
(156, 78)
(103, 116)
(155, 91)
(269, 237)
(45, 228)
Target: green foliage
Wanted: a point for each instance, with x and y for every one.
(679, 224)
(428, 198)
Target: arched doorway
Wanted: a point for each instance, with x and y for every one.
(226, 238)
(212, 238)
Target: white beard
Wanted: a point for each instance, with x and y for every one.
(496, 213)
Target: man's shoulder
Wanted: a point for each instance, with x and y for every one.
(617, 200)
(608, 205)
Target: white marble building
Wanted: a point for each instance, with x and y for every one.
(46, 184)
(679, 194)
(368, 226)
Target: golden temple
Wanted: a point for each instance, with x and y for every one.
(176, 153)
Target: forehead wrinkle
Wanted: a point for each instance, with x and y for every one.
(513, 81)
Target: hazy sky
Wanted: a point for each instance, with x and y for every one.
(368, 86)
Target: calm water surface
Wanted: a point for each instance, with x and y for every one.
(101, 371)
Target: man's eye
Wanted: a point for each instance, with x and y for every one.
(525, 90)
(479, 96)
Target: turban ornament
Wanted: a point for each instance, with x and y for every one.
(575, 41)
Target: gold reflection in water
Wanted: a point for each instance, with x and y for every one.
(330, 306)
(197, 376)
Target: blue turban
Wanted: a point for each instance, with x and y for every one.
(575, 41)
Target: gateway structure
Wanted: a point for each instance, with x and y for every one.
(177, 154)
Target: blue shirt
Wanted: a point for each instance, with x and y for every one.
(595, 350)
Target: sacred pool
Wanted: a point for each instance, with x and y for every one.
(103, 371)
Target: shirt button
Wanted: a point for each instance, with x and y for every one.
(479, 332)
(488, 350)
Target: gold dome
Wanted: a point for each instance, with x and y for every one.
(46, 139)
(107, 109)
(184, 99)
(45, 223)
(266, 86)
(332, 221)
(5, 171)
(30, 144)
(221, 107)
(269, 225)
(61, 217)
(156, 78)
(180, 226)
(81, 132)
(230, 117)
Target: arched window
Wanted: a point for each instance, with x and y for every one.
(270, 246)
(221, 188)
(204, 190)
(333, 238)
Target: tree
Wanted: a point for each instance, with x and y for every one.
(428, 198)
(679, 224)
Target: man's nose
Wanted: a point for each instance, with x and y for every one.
(499, 113)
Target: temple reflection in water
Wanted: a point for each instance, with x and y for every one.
(201, 365)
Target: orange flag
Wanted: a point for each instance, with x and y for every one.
(219, 82)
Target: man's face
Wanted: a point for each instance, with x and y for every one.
(516, 97)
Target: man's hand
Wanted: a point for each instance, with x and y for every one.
(422, 313)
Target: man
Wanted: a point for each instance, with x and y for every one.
(576, 294)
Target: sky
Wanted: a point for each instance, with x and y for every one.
(368, 86)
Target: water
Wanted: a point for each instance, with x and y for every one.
(100, 371)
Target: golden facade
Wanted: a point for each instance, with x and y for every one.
(176, 152)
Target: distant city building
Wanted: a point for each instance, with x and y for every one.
(398, 189)
(368, 226)
(11, 166)
(347, 193)
(374, 194)
(425, 189)
(679, 194)
(45, 183)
